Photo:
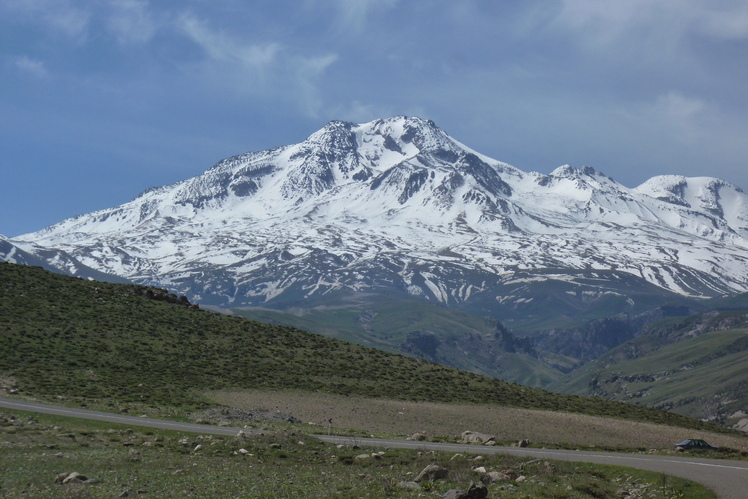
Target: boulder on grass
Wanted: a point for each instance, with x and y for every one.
(409, 485)
(73, 477)
(431, 473)
(493, 477)
(475, 491)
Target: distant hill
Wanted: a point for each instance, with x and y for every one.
(126, 344)
(695, 365)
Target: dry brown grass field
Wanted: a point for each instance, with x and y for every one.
(439, 420)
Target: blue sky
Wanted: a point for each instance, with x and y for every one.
(102, 99)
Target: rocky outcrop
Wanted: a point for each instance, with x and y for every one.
(162, 295)
(421, 343)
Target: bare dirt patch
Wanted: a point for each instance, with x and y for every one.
(383, 416)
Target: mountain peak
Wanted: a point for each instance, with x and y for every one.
(398, 203)
(568, 171)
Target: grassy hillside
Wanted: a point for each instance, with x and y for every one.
(125, 344)
(696, 366)
(419, 329)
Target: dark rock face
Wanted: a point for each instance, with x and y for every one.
(424, 344)
(162, 295)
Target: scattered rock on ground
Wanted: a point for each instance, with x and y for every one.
(475, 491)
(494, 477)
(408, 485)
(510, 473)
(474, 437)
(432, 472)
(73, 477)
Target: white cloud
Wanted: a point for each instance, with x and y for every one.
(728, 22)
(357, 112)
(354, 15)
(31, 66)
(676, 115)
(130, 21)
(264, 69)
(62, 17)
(308, 71)
(607, 21)
(224, 47)
(678, 107)
(315, 66)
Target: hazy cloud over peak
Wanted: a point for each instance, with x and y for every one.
(225, 47)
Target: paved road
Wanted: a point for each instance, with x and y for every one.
(729, 479)
(23, 405)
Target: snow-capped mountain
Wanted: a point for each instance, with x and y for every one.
(397, 205)
(51, 259)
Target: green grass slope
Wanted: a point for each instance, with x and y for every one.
(125, 344)
(702, 377)
(419, 329)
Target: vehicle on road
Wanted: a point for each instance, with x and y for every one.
(694, 444)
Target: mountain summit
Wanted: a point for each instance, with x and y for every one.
(398, 206)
